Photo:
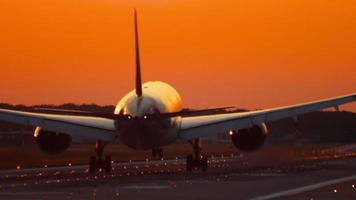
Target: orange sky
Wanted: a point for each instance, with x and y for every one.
(248, 53)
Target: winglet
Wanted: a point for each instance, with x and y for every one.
(138, 64)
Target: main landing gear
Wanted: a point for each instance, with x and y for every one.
(157, 152)
(99, 162)
(198, 161)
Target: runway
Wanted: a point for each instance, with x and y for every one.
(317, 176)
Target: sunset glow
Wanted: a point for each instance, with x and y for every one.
(246, 53)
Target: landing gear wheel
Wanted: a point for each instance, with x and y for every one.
(107, 164)
(154, 153)
(96, 163)
(92, 165)
(157, 152)
(199, 161)
(204, 163)
(160, 151)
(190, 163)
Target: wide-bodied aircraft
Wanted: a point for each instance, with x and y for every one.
(151, 116)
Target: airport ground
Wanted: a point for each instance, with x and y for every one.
(275, 172)
(30, 156)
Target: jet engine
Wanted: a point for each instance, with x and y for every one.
(52, 142)
(250, 139)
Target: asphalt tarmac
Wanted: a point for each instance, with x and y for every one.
(316, 176)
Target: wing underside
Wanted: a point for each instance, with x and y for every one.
(76, 126)
(209, 126)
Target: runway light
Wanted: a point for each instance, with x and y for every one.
(69, 164)
(18, 167)
(353, 186)
(335, 190)
(231, 132)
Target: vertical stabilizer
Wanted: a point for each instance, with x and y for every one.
(138, 64)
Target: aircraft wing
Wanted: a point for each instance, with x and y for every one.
(208, 126)
(76, 126)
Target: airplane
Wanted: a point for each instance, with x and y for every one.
(151, 116)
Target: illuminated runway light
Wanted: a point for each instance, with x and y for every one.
(18, 167)
(231, 132)
(335, 190)
(69, 164)
(353, 186)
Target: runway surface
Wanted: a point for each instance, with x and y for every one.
(317, 176)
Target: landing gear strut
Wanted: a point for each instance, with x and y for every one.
(99, 162)
(157, 152)
(198, 161)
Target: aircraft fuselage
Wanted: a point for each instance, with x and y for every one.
(142, 130)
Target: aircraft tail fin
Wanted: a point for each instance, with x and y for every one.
(138, 64)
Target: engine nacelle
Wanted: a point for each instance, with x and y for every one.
(52, 142)
(250, 139)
